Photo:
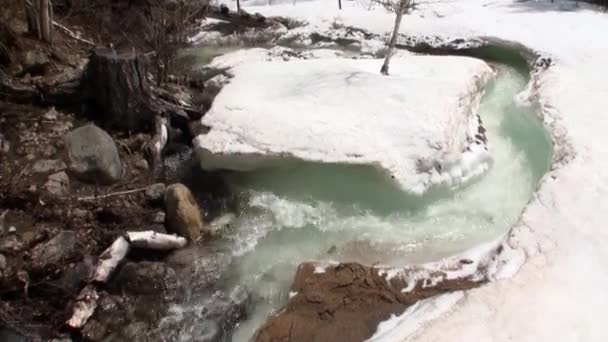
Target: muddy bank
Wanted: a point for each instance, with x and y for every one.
(346, 302)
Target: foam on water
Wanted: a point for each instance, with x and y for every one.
(304, 211)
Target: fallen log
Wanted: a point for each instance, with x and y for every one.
(85, 306)
(157, 241)
(110, 259)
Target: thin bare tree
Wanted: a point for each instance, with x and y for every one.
(39, 15)
(167, 24)
(399, 7)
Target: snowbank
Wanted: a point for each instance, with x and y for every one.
(418, 125)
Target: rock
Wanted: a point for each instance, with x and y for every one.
(81, 214)
(49, 151)
(72, 278)
(10, 244)
(12, 230)
(146, 278)
(155, 192)
(201, 267)
(51, 115)
(183, 213)
(5, 146)
(35, 62)
(57, 250)
(159, 217)
(215, 322)
(218, 226)
(136, 332)
(142, 164)
(93, 156)
(48, 165)
(58, 184)
(2, 263)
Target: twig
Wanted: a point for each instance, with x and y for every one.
(119, 193)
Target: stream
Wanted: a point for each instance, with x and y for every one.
(302, 211)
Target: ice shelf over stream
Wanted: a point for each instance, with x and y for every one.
(419, 125)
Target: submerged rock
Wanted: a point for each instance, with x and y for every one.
(183, 213)
(93, 156)
(146, 278)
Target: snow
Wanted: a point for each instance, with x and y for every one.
(561, 242)
(414, 124)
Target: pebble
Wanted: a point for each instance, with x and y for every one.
(160, 217)
(12, 229)
(142, 164)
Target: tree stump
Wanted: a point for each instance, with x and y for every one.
(118, 86)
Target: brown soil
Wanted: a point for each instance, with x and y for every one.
(346, 303)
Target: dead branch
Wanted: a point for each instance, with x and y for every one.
(110, 259)
(85, 306)
(157, 241)
(119, 193)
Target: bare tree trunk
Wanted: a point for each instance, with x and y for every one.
(46, 26)
(238, 6)
(39, 15)
(391, 44)
(340, 4)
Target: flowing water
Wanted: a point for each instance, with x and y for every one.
(306, 211)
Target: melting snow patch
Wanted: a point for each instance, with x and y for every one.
(419, 125)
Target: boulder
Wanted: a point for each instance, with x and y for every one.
(58, 184)
(93, 156)
(183, 213)
(59, 249)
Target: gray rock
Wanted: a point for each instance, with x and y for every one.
(142, 164)
(146, 278)
(48, 165)
(159, 217)
(57, 250)
(136, 332)
(155, 192)
(215, 322)
(51, 115)
(74, 277)
(34, 58)
(49, 151)
(93, 156)
(10, 244)
(58, 184)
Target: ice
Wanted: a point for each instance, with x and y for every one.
(414, 125)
